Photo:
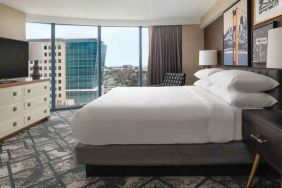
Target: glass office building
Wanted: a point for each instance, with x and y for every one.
(82, 70)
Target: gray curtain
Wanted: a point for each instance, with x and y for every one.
(165, 52)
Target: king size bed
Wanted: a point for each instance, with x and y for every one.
(156, 127)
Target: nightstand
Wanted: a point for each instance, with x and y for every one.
(262, 132)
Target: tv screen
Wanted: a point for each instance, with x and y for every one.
(13, 58)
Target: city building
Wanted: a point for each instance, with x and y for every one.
(75, 67)
(82, 69)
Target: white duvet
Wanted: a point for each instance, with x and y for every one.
(157, 115)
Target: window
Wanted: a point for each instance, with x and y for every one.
(145, 55)
(77, 52)
(76, 66)
(120, 53)
(37, 32)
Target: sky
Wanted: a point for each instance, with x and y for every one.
(122, 42)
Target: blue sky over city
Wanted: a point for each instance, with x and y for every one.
(122, 42)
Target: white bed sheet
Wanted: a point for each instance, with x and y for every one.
(157, 115)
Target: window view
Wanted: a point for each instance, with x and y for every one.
(76, 65)
(122, 58)
(36, 32)
(145, 54)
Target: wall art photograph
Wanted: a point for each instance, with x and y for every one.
(236, 30)
(267, 9)
(260, 41)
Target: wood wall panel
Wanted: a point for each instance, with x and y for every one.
(214, 36)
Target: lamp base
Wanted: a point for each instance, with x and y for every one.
(36, 68)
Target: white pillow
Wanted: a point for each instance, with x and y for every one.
(205, 73)
(244, 100)
(202, 84)
(243, 81)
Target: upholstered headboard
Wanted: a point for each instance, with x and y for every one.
(276, 74)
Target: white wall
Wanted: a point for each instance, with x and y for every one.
(12, 23)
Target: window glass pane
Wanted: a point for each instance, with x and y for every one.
(37, 32)
(145, 54)
(76, 65)
(120, 57)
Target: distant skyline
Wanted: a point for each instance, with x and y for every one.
(122, 42)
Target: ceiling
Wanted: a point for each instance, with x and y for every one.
(174, 11)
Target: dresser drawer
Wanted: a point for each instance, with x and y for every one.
(10, 109)
(37, 102)
(37, 115)
(30, 90)
(265, 140)
(11, 125)
(10, 94)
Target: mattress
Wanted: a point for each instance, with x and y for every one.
(157, 115)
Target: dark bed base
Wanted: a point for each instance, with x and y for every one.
(203, 170)
(164, 160)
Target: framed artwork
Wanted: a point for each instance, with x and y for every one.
(266, 9)
(237, 34)
(260, 41)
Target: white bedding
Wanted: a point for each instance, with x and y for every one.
(157, 115)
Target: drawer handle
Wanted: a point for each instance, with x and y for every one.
(45, 111)
(15, 124)
(45, 87)
(29, 90)
(28, 118)
(29, 104)
(14, 93)
(45, 99)
(258, 139)
(15, 109)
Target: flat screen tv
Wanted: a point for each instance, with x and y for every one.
(13, 58)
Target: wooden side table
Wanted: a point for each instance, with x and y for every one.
(262, 132)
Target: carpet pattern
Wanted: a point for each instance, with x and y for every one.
(42, 157)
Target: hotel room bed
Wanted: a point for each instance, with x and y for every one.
(157, 115)
(141, 131)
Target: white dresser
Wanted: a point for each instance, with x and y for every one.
(22, 104)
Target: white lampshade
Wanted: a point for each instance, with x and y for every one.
(36, 51)
(208, 57)
(274, 53)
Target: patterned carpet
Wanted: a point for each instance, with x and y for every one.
(42, 157)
